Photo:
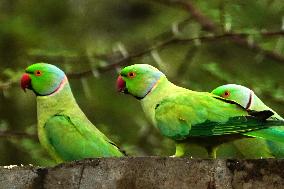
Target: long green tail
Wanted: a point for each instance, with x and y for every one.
(272, 134)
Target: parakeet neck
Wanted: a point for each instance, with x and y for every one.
(57, 103)
(258, 105)
(161, 89)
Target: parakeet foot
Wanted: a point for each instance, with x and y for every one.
(212, 152)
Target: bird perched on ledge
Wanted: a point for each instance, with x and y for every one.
(256, 147)
(63, 129)
(188, 116)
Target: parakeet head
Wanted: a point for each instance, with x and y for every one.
(43, 79)
(240, 94)
(138, 79)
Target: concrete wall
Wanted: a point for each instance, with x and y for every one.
(149, 172)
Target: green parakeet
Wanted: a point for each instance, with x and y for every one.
(188, 116)
(63, 129)
(247, 98)
(244, 96)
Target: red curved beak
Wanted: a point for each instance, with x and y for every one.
(120, 84)
(25, 82)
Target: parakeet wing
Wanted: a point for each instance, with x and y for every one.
(73, 139)
(240, 124)
(202, 114)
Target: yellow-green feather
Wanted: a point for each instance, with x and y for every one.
(175, 111)
(255, 147)
(66, 133)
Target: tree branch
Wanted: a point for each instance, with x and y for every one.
(209, 26)
(12, 134)
(115, 61)
(171, 40)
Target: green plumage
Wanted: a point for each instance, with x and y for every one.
(269, 142)
(189, 116)
(64, 130)
(199, 114)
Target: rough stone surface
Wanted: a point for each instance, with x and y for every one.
(149, 172)
(19, 177)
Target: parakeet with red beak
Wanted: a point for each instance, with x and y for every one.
(247, 98)
(188, 116)
(63, 129)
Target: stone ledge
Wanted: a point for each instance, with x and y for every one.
(149, 172)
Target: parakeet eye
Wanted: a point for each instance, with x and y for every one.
(38, 73)
(226, 94)
(131, 74)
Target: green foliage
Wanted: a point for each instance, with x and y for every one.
(80, 36)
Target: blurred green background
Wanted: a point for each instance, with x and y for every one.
(198, 44)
